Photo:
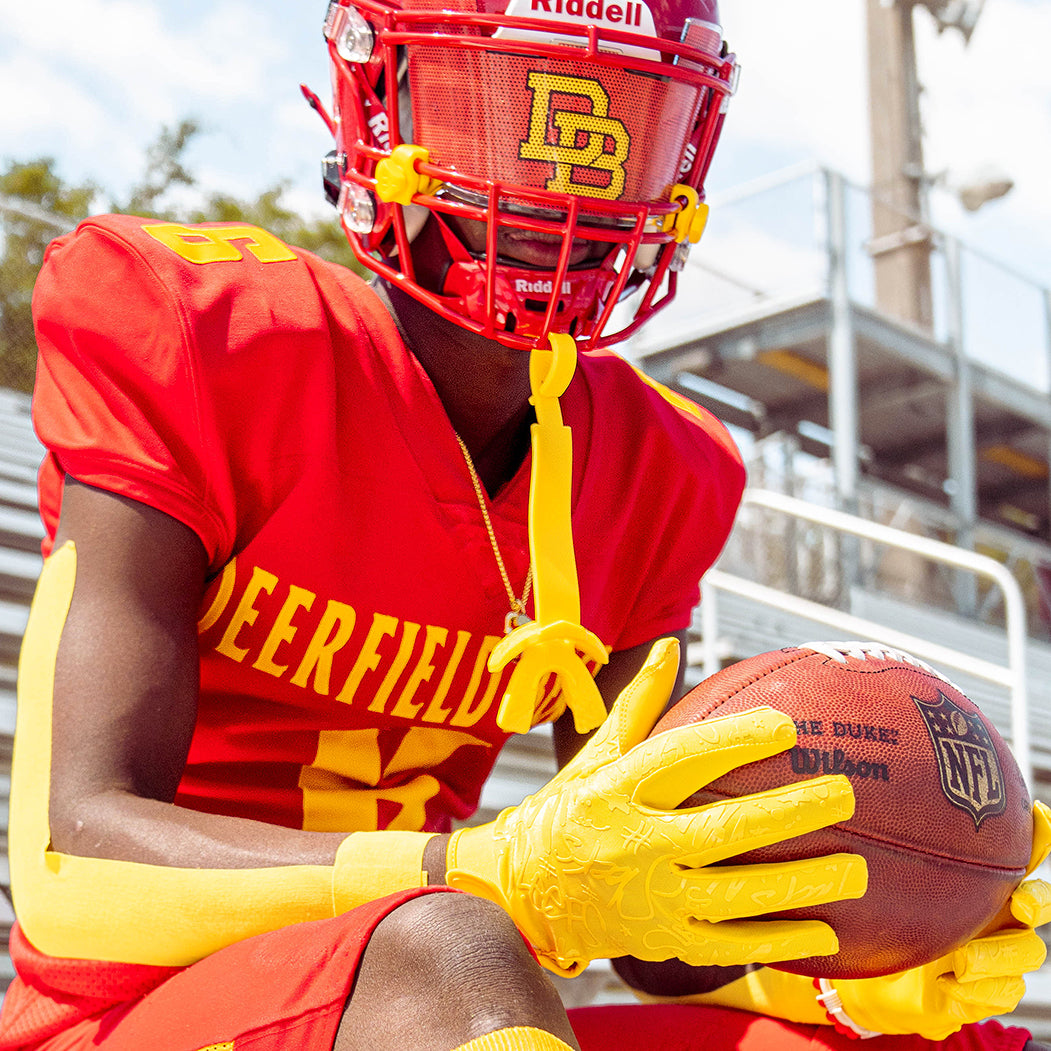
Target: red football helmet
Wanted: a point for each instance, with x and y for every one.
(520, 166)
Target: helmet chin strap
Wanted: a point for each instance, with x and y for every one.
(556, 642)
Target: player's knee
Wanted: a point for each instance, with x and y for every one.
(456, 949)
(454, 937)
(454, 964)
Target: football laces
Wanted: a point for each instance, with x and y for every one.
(841, 652)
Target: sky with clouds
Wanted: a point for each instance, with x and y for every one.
(803, 94)
(91, 83)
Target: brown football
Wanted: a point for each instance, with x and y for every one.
(942, 812)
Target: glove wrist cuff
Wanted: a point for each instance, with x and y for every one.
(371, 865)
(476, 862)
(472, 864)
(837, 1015)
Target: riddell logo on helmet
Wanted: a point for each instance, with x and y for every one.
(626, 14)
(381, 129)
(521, 285)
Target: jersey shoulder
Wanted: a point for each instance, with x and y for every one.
(195, 281)
(184, 254)
(674, 426)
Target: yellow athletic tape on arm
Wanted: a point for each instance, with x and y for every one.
(763, 991)
(371, 865)
(100, 909)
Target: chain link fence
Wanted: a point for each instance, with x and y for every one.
(25, 231)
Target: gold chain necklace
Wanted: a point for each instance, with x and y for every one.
(517, 614)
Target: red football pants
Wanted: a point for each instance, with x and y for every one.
(286, 990)
(679, 1027)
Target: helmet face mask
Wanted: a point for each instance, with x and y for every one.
(553, 133)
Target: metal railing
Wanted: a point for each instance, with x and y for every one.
(1011, 675)
(794, 234)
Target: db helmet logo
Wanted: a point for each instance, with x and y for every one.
(582, 136)
(968, 765)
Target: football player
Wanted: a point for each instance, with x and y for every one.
(315, 549)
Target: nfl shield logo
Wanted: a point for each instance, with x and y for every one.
(967, 762)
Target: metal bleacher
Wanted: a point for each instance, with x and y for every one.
(20, 535)
(993, 657)
(755, 628)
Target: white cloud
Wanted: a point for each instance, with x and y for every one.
(132, 46)
(40, 89)
(99, 89)
(990, 103)
(803, 82)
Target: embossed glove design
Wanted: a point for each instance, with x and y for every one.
(599, 863)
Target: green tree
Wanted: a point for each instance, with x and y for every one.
(322, 236)
(36, 205)
(164, 169)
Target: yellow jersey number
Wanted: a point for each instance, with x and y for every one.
(220, 244)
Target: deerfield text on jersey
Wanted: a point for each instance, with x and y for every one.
(397, 668)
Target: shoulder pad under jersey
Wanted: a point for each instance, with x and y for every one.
(231, 279)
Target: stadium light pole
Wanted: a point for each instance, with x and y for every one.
(901, 237)
(901, 244)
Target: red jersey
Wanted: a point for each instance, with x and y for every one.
(264, 398)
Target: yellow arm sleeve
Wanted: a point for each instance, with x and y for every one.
(762, 991)
(93, 908)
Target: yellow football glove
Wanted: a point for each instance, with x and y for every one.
(981, 979)
(599, 863)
